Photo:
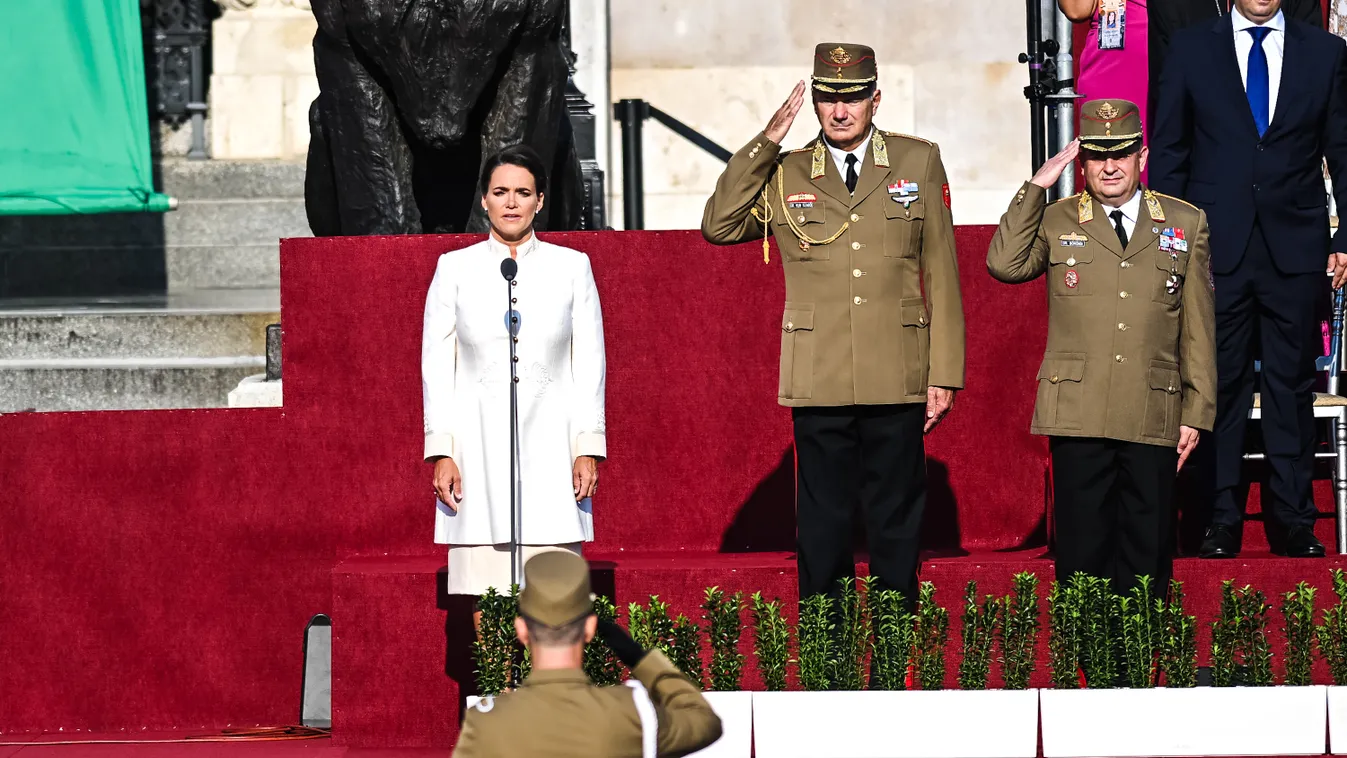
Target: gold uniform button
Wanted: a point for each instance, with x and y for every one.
(800, 219)
(1122, 327)
(1171, 388)
(1070, 261)
(855, 246)
(790, 325)
(1125, 264)
(855, 217)
(1123, 295)
(857, 273)
(1053, 379)
(1119, 358)
(921, 321)
(856, 300)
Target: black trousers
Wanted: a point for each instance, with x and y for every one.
(1112, 506)
(873, 457)
(1258, 302)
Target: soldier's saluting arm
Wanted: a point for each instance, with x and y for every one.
(728, 218)
(1019, 250)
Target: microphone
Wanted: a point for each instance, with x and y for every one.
(508, 268)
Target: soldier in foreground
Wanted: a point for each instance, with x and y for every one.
(1129, 378)
(557, 711)
(872, 338)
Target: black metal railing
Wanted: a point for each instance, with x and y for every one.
(631, 116)
(176, 34)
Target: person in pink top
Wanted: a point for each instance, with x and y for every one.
(1115, 60)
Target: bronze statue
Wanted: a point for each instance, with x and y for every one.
(415, 95)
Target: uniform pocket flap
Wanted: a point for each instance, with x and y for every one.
(1070, 249)
(910, 212)
(1165, 377)
(1062, 368)
(913, 312)
(797, 319)
(807, 211)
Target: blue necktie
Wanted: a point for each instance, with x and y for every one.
(1257, 85)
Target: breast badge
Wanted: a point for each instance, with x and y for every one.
(1072, 279)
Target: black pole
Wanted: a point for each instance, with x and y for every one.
(631, 115)
(1037, 106)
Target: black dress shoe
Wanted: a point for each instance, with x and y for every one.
(1301, 543)
(1220, 542)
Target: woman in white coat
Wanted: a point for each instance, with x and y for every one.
(465, 372)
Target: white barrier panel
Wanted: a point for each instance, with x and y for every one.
(939, 724)
(1201, 721)
(1337, 720)
(735, 710)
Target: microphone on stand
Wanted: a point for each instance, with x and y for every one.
(508, 269)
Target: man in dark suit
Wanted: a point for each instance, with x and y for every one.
(1250, 104)
(1165, 18)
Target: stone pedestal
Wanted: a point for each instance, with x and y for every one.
(256, 392)
(263, 80)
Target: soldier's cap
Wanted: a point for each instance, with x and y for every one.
(1110, 126)
(841, 68)
(556, 588)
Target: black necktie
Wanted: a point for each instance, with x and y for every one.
(851, 172)
(1118, 227)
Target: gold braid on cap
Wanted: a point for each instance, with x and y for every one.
(839, 90)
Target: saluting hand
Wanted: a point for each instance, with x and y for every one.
(938, 402)
(448, 483)
(1187, 441)
(1337, 266)
(1051, 171)
(779, 126)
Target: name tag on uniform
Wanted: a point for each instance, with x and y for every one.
(801, 200)
(1072, 240)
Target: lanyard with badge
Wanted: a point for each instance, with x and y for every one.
(1112, 23)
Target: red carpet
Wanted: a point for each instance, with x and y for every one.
(157, 568)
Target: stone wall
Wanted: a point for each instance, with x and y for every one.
(263, 79)
(948, 73)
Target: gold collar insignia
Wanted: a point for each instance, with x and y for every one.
(881, 150)
(816, 169)
(1153, 205)
(1085, 209)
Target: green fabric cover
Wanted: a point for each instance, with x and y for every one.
(75, 134)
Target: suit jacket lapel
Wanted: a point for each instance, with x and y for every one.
(1100, 228)
(871, 177)
(1286, 90)
(1227, 71)
(831, 182)
(1143, 235)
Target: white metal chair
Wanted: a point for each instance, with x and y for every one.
(1330, 405)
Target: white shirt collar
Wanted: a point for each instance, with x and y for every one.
(1277, 23)
(840, 156)
(1130, 209)
(502, 249)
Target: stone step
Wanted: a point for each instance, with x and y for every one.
(131, 353)
(111, 387)
(224, 234)
(38, 337)
(220, 180)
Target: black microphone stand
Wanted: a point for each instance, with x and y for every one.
(508, 268)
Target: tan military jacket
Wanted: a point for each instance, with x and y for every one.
(1131, 349)
(562, 714)
(873, 310)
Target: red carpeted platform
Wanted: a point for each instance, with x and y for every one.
(157, 568)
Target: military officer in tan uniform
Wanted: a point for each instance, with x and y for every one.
(557, 711)
(872, 337)
(1128, 382)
